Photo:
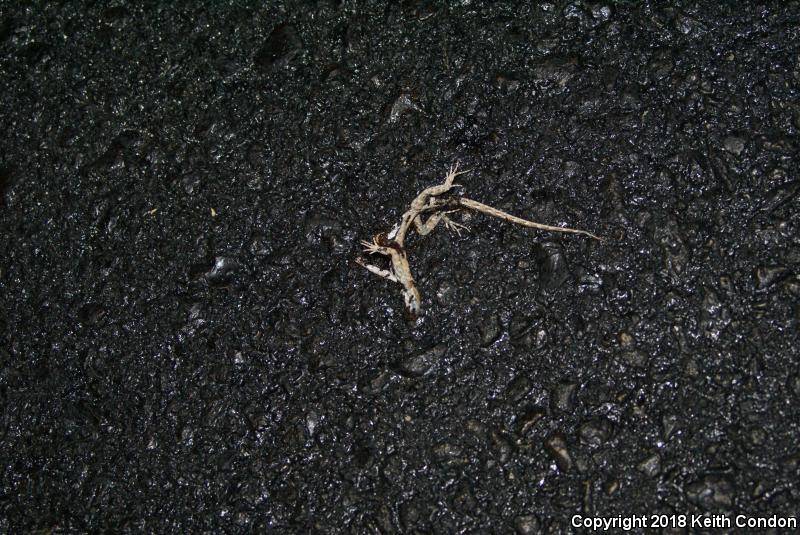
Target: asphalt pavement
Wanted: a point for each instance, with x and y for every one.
(188, 344)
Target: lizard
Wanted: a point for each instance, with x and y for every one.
(393, 244)
(430, 201)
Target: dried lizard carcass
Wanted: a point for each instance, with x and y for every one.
(436, 203)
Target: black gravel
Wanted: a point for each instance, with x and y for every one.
(186, 342)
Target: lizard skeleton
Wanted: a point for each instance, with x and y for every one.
(429, 202)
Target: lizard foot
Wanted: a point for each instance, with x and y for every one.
(453, 226)
(373, 247)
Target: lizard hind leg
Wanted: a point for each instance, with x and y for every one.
(426, 227)
(453, 226)
(423, 229)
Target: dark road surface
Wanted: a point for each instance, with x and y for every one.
(188, 346)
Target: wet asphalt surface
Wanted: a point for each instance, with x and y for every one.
(188, 346)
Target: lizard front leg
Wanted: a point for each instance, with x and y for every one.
(374, 247)
(383, 273)
(427, 200)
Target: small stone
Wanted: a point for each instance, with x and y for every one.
(115, 14)
(464, 501)
(780, 195)
(553, 270)
(714, 317)
(449, 454)
(759, 489)
(379, 382)
(35, 53)
(318, 227)
(630, 100)
(91, 313)
(195, 311)
(526, 525)
(562, 397)
(691, 368)
(489, 330)
(556, 445)
(574, 11)
(794, 384)
(446, 450)
(710, 492)
(5, 183)
(734, 145)
(595, 433)
(447, 294)
(582, 462)
(409, 515)
(527, 333)
(790, 462)
(261, 246)
(221, 271)
(422, 363)
(528, 420)
(626, 340)
(518, 389)
(661, 66)
(634, 358)
(600, 12)
(757, 437)
(281, 47)
(191, 183)
(501, 447)
(767, 276)
(476, 428)
(685, 24)
(257, 155)
(312, 422)
(554, 70)
(669, 424)
(507, 84)
(651, 466)
(401, 105)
